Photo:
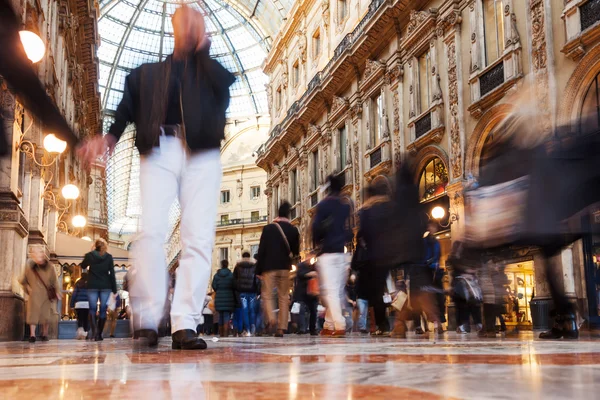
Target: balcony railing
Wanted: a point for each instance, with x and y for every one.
(242, 221)
(97, 221)
(590, 13)
(314, 199)
(491, 79)
(423, 125)
(293, 213)
(375, 158)
(347, 42)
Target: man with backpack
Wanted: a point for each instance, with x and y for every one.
(279, 245)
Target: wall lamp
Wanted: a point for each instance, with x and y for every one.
(439, 213)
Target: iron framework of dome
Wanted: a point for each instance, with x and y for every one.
(134, 32)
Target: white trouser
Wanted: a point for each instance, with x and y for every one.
(333, 275)
(170, 172)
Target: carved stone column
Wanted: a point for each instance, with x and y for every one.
(395, 75)
(539, 65)
(269, 194)
(357, 159)
(448, 27)
(303, 175)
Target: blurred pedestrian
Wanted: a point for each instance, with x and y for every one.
(377, 207)
(465, 289)
(308, 300)
(41, 286)
(223, 285)
(331, 233)
(179, 109)
(79, 302)
(279, 245)
(246, 286)
(101, 283)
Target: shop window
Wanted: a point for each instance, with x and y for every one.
(296, 74)
(590, 111)
(225, 196)
(342, 140)
(342, 10)
(294, 186)
(493, 25)
(433, 180)
(316, 44)
(224, 253)
(424, 70)
(315, 170)
(278, 98)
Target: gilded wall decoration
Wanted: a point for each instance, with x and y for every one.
(455, 145)
(539, 58)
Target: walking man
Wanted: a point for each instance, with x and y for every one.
(279, 244)
(178, 107)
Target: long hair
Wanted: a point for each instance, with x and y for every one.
(100, 246)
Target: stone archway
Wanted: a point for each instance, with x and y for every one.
(576, 88)
(477, 139)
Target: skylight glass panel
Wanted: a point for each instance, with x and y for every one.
(228, 62)
(218, 45)
(111, 30)
(257, 80)
(157, 6)
(119, 79)
(149, 21)
(122, 11)
(238, 88)
(241, 38)
(226, 19)
(104, 73)
(143, 41)
(133, 59)
(252, 57)
(107, 52)
(114, 98)
(261, 102)
(241, 106)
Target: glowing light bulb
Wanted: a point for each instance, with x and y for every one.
(438, 213)
(79, 221)
(33, 45)
(89, 239)
(52, 144)
(70, 192)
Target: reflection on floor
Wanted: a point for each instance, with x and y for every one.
(300, 367)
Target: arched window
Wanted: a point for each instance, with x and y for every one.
(433, 180)
(590, 111)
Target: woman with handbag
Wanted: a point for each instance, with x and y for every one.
(101, 283)
(41, 285)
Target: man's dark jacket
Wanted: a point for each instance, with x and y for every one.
(244, 277)
(205, 96)
(273, 254)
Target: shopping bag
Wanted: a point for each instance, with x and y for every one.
(400, 301)
(112, 302)
(312, 288)
(296, 308)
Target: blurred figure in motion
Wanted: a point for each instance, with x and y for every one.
(307, 299)
(331, 232)
(376, 208)
(279, 245)
(465, 263)
(16, 69)
(178, 107)
(79, 302)
(101, 283)
(41, 285)
(223, 285)
(246, 287)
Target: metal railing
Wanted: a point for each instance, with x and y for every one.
(589, 13)
(375, 158)
(242, 221)
(347, 42)
(491, 79)
(423, 125)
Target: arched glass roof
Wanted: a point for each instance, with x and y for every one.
(134, 32)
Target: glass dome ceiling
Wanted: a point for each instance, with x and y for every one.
(134, 32)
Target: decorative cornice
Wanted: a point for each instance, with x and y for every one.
(432, 137)
(338, 106)
(421, 23)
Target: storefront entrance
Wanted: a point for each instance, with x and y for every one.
(591, 257)
(519, 293)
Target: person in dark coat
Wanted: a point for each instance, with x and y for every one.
(331, 233)
(246, 287)
(80, 303)
(17, 70)
(372, 277)
(308, 303)
(223, 285)
(101, 283)
(275, 253)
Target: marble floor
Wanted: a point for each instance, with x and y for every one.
(301, 367)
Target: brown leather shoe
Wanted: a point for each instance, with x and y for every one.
(326, 332)
(186, 339)
(340, 333)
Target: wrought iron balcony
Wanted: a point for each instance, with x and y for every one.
(590, 13)
(491, 79)
(314, 199)
(423, 125)
(242, 221)
(375, 158)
